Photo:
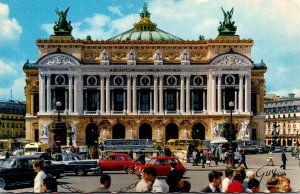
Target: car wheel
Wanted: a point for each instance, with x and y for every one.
(98, 171)
(80, 172)
(2, 183)
(129, 170)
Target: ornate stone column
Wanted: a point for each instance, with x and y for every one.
(219, 94)
(213, 96)
(247, 93)
(155, 94)
(161, 93)
(188, 95)
(182, 102)
(134, 100)
(208, 93)
(76, 94)
(48, 93)
(107, 95)
(70, 93)
(241, 104)
(128, 94)
(204, 101)
(42, 93)
(102, 97)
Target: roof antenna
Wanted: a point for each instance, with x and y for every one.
(10, 95)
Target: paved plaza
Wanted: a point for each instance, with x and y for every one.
(197, 175)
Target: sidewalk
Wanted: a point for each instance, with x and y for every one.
(189, 166)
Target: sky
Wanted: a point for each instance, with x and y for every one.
(272, 24)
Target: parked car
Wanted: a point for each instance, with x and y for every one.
(117, 162)
(278, 149)
(19, 170)
(161, 164)
(75, 163)
(288, 148)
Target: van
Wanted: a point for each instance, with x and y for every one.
(34, 147)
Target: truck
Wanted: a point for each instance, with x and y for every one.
(75, 163)
(15, 171)
(34, 147)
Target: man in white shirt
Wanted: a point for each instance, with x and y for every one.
(145, 184)
(39, 178)
(227, 180)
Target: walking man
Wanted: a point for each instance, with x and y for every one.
(284, 159)
(40, 176)
(243, 160)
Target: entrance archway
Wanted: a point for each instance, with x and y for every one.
(171, 131)
(198, 131)
(145, 131)
(92, 134)
(118, 131)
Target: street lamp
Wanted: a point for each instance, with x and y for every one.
(230, 161)
(58, 105)
(70, 137)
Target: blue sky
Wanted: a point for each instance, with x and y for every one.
(272, 24)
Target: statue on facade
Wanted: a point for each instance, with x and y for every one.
(62, 27)
(131, 56)
(185, 135)
(158, 133)
(217, 129)
(157, 56)
(104, 133)
(245, 129)
(45, 131)
(227, 26)
(185, 55)
(74, 130)
(131, 133)
(104, 55)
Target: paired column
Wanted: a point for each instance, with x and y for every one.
(48, 93)
(182, 103)
(219, 94)
(107, 95)
(70, 93)
(213, 96)
(77, 96)
(128, 94)
(134, 94)
(102, 97)
(161, 98)
(187, 106)
(241, 93)
(247, 93)
(155, 94)
(42, 93)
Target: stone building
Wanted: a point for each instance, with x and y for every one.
(144, 83)
(282, 119)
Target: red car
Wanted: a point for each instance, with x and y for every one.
(117, 162)
(161, 164)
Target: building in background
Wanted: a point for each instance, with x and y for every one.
(143, 83)
(12, 120)
(282, 119)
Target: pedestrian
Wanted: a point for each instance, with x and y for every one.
(202, 155)
(226, 181)
(130, 153)
(49, 184)
(105, 182)
(173, 178)
(40, 176)
(195, 162)
(216, 155)
(95, 154)
(207, 157)
(270, 159)
(168, 151)
(284, 159)
(243, 160)
(272, 185)
(249, 175)
(285, 185)
(215, 180)
(253, 186)
(236, 184)
(184, 186)
(159, 186)
(145, 184)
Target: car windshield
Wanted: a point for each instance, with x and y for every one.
(8, 163)
(77, 157)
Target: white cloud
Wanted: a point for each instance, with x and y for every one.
(48, 28)
(10, 28)
(7, 68)
(115, 10)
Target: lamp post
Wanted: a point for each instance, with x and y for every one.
(230, 161)
(58, 105)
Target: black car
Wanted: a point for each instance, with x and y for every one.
(15, 171)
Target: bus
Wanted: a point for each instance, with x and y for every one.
(34, 147)
(182, 144)
(127, 144)
(248, 146)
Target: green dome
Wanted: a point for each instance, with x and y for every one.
(145, 35)
(145, 30)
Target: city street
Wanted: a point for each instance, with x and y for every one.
(195, 174)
